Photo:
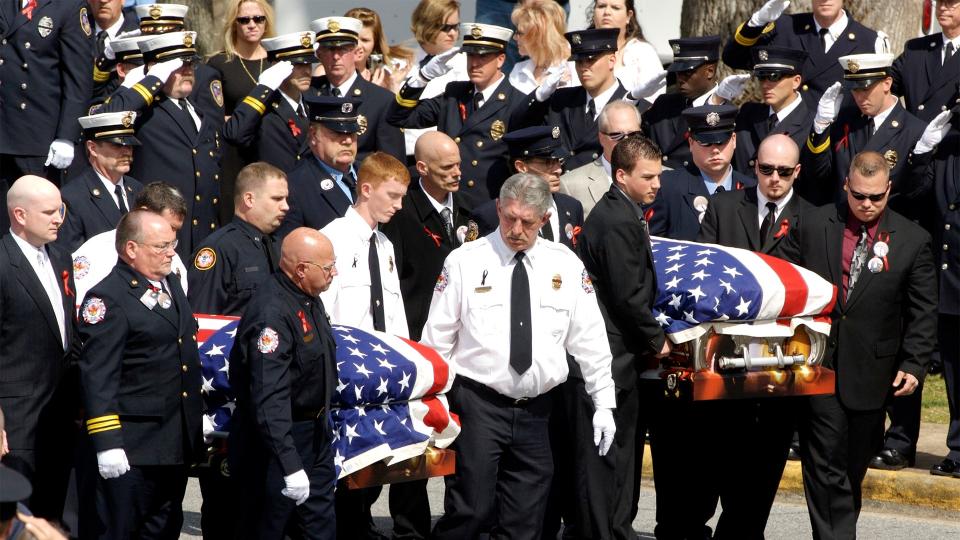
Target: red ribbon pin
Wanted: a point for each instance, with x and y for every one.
(66, 283)
(293, 128)
(433, 236)
(784, 227)
(574, 233)
(303, 322)
(845, 141)
(463, 112)
(884, 236)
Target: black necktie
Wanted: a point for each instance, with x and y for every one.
(267, 243)
(101, 41)
(447, 216)
(591, 109)
(767, 222)
(118, 192)
(351, 182)
(823, 39)
(772, 121)
(521, 337)
(859, 258)
(477, 101)
(376, 287)
(185, 115)
(720, 189)
(547, 232)
(871, 128)
(335, 91)
(300, 112)
(948, 52)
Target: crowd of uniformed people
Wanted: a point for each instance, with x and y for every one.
(501, 216)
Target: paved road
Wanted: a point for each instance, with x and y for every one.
(788, 520)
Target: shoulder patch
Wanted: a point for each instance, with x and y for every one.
(268, 341)
(216, 89)
(206, 258)
(586, 281)
(442, 280)
(85, 22)
(81, 265)
(94, 310)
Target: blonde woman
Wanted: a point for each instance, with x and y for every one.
(379, 62)
(243, 59)
(539, 35)
(637, 60)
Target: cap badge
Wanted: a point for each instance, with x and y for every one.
(333, 26)
(676, 49)
(476, 32)
(305, 40)
(155, 12)
(187, 40)
(497, 129)
(713, 119)
(127, 120)
(853, 66)
(576, 39)
(347, 108)
(763, 55)
(556, 132)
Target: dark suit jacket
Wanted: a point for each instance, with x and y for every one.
(419, 242)
(925, 83)
(32, 359)
(484, 164)
(90, 209)
(570, 215)
(673, 214)
(375, 133)
(139, 371)
(945, 172)
(277, 136)
(798, 31)
(310, 204)
(889, 323)
(732, 219)
(567, 108)
(752, 129)
(615, 249)
(664, 124)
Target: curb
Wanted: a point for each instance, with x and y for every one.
(899, 487)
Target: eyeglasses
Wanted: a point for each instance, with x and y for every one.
(259, 19)
(875, 197)
(162, 248)
(450, 27)
(326, 269)
(620, 135)
(784, 172)
(772, 76)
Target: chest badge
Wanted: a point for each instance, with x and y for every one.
(497, 129)
(557, 282)
(45, 26)
(891, 157)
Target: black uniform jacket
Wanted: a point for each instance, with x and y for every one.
(315, 199)
(90, 208)
(752, 128)
(268, 129)
(375, 134)
(928, 86)
(674, 213)
(570, 218)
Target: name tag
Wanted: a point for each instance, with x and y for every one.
(483, 289)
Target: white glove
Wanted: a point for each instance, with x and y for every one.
(163, 70)
(436, 67)
(934, 133)
(649, 86)
(207, 429)
(112, 463)
(828, 108)
(60, 154)
(770, 12)
(129, 33)
(298, 487)
(108, 49)
(273, 76)
(732, 87)
(550, 82)
(604, 428)
(134, 76)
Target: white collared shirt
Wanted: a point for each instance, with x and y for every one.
(190, 109)
(881, 117)
(762, 201)
(292, 102)
(834, 31)
(113, 30)
(785, 112)
(47, 275)
(347, 301)
(469, 320)
(345, 87)
(438, 206)
(703, 99)
(487, 93)
(111, 187)
(943, 49)
(727, 181)
(601, 100)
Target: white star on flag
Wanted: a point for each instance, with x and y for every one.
(743, 307)
(697, 293)
(672, 284)
(362, 369)
(215, 350)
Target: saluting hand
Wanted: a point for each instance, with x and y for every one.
(550, 82)
(828, 108)
(732, 86)
(769, 12)
(649, 86)
(273, 76)
(935, 131)
(163, 70)
(437, 66)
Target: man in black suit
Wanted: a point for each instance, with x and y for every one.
(96, 200)
(537, 150)
(825, 35)
(615, 248)
(37, 329)
(781, 109)
(336, 40)
(883, 333)
(476, 113)
(324, 184)
(575, 110)
(685, 193)
(141, 386)
(757, 433)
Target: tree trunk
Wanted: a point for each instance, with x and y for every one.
(200, 20)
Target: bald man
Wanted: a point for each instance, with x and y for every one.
(37, 330)
(760, 431)
(283, 370)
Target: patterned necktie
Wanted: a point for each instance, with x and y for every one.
(376, 287)
(767, 222)
(859, 258)
(447, 216)
(118, 192)
(521, 336)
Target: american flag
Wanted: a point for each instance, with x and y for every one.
(388, 404)
(756, 293)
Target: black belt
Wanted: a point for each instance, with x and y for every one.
(497, 397)
(308, 415)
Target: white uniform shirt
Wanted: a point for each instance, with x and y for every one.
(96, 258)
(348, 298)
(469, 320)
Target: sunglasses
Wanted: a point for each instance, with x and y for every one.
(772, 76)
(620, 135)
(784, 172)
(259, 19)
(876, 197)
(449, 27)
